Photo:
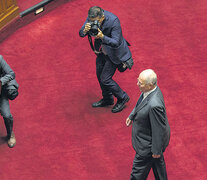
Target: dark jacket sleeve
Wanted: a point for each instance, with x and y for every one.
(158, 125)
(81, 33)
(7, 74)
(131, 116)
(116, 35)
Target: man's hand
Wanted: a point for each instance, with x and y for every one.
(100, 34)
(156, 156)
(128, 122)
(97, 52)
(87, 28)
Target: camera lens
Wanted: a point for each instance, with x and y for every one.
(93, 32)
(94, 28)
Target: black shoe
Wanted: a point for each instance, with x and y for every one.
(103, 103)
(119, 106)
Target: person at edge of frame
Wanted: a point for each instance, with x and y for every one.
(8, 91)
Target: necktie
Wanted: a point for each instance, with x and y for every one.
(140, 99)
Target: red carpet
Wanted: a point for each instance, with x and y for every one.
(59, 135)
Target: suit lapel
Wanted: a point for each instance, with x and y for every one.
(146, 100)
(142, 104)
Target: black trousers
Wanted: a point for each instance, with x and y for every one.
(105, 70)
(6, 114)
(142, 165)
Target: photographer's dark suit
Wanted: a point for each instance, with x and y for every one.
(7, 78)
(115, 51)
(150, 135)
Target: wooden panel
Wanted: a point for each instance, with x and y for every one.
(2, 9)
(10, 3)
(8, 11)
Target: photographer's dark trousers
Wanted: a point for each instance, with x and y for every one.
(142, 165)
(6, 114)
(105, 70)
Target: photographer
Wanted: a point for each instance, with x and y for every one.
(8, 90)
(112, 52)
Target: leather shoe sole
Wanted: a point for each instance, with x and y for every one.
(120, 106)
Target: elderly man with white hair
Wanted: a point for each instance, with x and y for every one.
(150, 129)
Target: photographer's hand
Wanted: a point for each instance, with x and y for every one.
(87, 28)
(100, 34)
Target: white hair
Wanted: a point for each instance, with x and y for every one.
(150, 76)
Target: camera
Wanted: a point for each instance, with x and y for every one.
(94, 28)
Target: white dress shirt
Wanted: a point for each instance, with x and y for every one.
(148, 93)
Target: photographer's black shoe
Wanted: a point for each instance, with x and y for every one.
(119, 106)
(103, 103)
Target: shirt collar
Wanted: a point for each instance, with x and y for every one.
(149, 92)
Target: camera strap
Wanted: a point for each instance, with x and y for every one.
(91, 42)
(92, 45)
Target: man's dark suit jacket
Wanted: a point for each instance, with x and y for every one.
(7, 75)
(113, 42)
(150, 128)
